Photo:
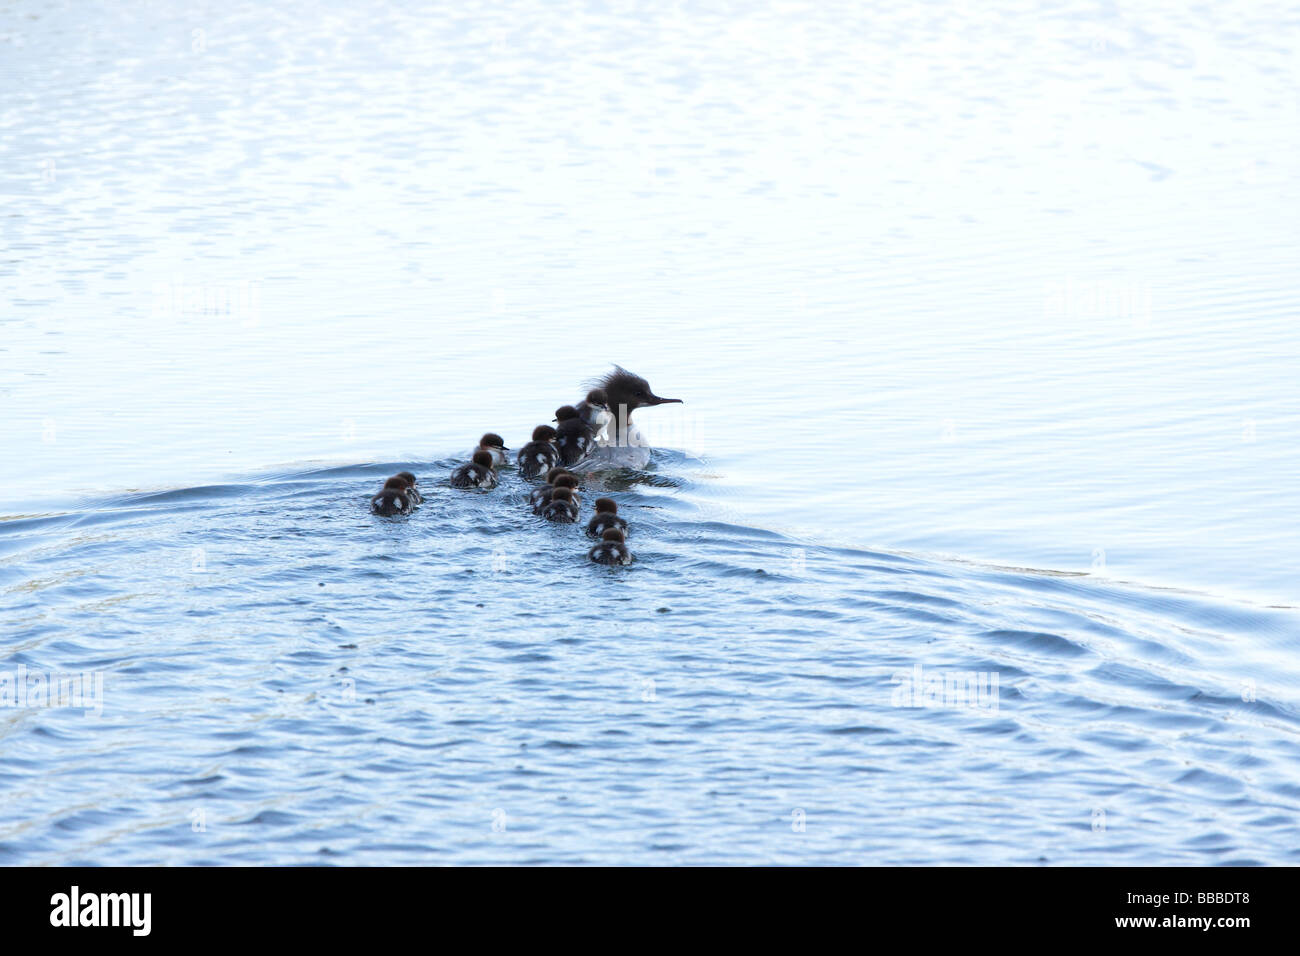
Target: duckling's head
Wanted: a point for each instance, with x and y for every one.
(562, 494)
(565, 480)
(544, 433)
(396, 483)
(555, 473)
(492, 440)
(598, 398)
(606, 506)
(407, 477)
(613, 534)
(565, 412)
(483, 458)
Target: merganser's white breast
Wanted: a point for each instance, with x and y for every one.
(632, 451)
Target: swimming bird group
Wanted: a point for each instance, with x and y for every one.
(590, 434)
(559, 501)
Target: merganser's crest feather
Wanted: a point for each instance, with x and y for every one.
(624, 388)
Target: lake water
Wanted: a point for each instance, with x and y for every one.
(985, 318)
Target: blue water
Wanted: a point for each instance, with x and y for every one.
(985, 320)
(323, 685)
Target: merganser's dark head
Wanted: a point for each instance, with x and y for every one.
(565, 480)
(396, 483)
(492, 440)
(483, 458)
(624, 389)
(606, 506)
(613, 534)
(565, 412)
(407, 477)
(544, 433)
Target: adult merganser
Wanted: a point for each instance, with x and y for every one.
(624, 446)
(539, 454)
(477, 474)
(611, 549)
(606, 517)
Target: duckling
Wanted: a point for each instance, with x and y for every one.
(611, 549)
(573, 437)
(412, 491)
(393, 498)
(561, 508)
(477, 474)
(546, 495)
(539, 454)
(606, 517)
(494, 446)
(594, 412)
(543, 494)
(570, 481)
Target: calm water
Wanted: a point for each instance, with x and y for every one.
(986, 321)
